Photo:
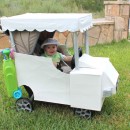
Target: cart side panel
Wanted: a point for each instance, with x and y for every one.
(86, 91)
(46, 81)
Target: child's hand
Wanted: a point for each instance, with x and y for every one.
(55, 64)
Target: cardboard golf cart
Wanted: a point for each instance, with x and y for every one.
(84, 88)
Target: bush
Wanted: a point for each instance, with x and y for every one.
(9, 7)
(92, 5)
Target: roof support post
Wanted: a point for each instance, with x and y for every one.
(86, 42)
(76, 55)
(12, 40)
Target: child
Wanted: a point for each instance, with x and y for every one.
(50, 50)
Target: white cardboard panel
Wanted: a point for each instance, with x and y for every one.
(47, 83)
(86, 91)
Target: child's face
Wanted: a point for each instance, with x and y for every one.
(51, 49)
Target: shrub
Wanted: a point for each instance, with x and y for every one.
(92, 5)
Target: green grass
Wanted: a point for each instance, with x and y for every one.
(115, 114)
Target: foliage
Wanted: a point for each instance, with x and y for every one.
(92, 5)
(15, 7)
(115, 114)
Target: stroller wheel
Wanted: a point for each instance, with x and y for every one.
(83, 113)
(24, 104)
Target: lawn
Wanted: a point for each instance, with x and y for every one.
(115, 113)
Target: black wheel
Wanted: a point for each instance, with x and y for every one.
(24, 104)
(30, 92)
(83, 113)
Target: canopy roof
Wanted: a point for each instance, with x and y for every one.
(48, 21)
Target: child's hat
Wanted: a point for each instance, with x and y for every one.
(49, 41)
